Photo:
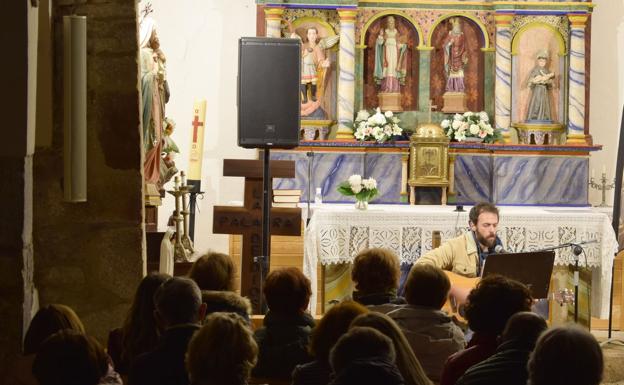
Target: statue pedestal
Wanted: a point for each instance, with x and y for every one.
(454, 102)
(539, 133)
(390, 101)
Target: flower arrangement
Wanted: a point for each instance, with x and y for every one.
(471, 125)
(363, 189)
(377, 126)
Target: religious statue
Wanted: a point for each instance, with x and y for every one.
(540, 81)
(155, 93)
(455, 60)
(390, 58)
(455, 57)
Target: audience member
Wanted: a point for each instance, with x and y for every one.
(283, 340)
(139, 333)
(430, 332)
(226, 301)
(489, 306)
(376, 274)
(209, 363)
(364, 356)
(333, 325)
(214, 271)
(566, 356)
(509, 365)
(178, 311)
(411, 370)
(48, 320)
(69, 357)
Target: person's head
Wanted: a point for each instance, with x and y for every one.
(542, 58)
(70, 358)
(140, 332)
(427, 286)
(361, 343)
(287, 291)
(178, 301)
(406, 361)
(376, 271)
(49, 320)
(312, 34)
(214, 271)
(524, 327)
(483, 220)
(223, 351)
(494, 301)
(335, 323)
(566, 355)
(391, 22)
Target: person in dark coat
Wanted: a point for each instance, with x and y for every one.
(509, 364)
(179, 309)
(376, 274)
(364, 356)
(283, 340)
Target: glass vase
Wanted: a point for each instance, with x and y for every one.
(361, 204)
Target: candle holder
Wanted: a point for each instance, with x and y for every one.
(186, 189)
(180, 253)
(602, 186)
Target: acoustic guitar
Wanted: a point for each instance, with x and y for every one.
(460, 288)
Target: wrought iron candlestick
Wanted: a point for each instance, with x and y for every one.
(186, 240)
(602, 186)
(180, 253)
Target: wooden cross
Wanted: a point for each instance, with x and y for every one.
(196, 124)
(247, 220)
(430, 108)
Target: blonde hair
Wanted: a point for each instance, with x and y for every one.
(223, 351)
(406, 361)
(214, 271)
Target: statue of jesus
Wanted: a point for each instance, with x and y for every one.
(455, 57)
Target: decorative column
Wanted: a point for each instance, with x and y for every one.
(359, 77)
(502, 85)
(576, 75)
(346, 73)
(489, 58)
(273, 19)
(424, 77)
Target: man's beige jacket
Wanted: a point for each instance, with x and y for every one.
(458, 255)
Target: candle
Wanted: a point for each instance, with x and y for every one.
(176, 182)
(183, 178)
(604, 170)
(593, 173)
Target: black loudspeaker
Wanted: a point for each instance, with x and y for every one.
(269, 106)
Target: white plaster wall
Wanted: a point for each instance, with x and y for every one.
(606, 87)
(200, 39)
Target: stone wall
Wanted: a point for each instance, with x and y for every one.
(90, 255)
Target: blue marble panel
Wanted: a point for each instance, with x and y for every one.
(472, 178)
(386, 169)
(541, 180)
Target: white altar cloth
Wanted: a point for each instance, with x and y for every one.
(337, 232)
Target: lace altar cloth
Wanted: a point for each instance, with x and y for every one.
(337, 232)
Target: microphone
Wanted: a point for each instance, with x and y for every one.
(499, 249)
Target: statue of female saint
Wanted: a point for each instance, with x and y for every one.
(540, 81)
(154, 92)
(390, 58)
(455, 57)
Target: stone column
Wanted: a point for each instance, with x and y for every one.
(502, 85)
(346, 73)
(424, 77)
(576, 94)
(273, 19)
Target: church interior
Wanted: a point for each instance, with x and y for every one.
(123, 152)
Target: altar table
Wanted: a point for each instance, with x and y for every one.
(337, 232)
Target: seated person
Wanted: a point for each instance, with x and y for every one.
(466, 254)
(214, 273)
(430, 332)
(69, 357)
(179, 309)
(376, 275)
(208, 362)
(509, 365)
(489, 307)
(407, 363)
(333, 325)
(364, 356)
(284, 338)
(566, 355)
(48, 320)
(139, 333)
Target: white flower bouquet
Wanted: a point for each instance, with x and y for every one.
(362, 189)
(471, 125)
(377, 126)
